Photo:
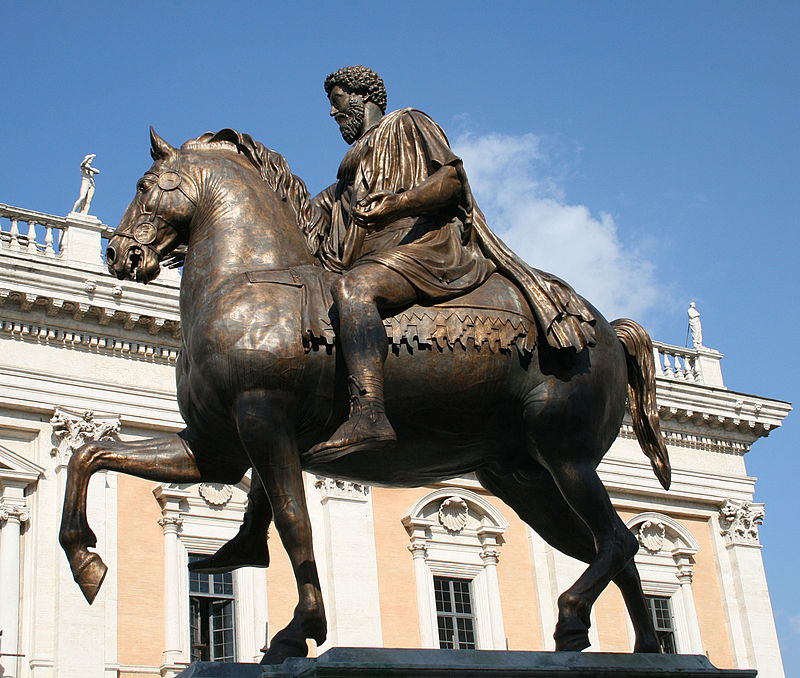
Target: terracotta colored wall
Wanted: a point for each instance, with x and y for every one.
(708, 597)
(396, 582)
(140, 574)
(515, 575)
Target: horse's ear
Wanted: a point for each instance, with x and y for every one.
(160, 149)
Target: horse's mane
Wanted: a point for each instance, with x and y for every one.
(273, 168)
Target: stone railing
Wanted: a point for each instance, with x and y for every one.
(75, 238)
(690, 365)
(28, 231)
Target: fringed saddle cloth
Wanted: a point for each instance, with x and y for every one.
(493, 317)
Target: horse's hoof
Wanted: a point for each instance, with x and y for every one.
(571, 636)
(90, 576)
(282, 649)
(234, 554)
(647, 647)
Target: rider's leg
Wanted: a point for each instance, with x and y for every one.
(359, 295)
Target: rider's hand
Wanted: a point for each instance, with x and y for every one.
(378, 209)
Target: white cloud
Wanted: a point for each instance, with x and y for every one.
(524, 203)
(794, 622)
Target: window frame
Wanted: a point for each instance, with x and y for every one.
(661, 630)
(209, 600)
(470, 553)
(454, 615)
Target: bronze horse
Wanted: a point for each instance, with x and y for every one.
(533, 429)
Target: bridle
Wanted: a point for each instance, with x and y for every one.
(145, 232)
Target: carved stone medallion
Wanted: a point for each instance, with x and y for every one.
(651, 535)
(215, 494)
(453, 514)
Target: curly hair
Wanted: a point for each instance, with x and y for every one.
(359, 80)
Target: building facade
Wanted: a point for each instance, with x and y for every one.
(84, 356)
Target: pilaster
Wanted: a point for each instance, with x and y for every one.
(352, 569)
(739, 521)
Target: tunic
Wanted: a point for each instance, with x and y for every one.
(441, 254)
(430, 250)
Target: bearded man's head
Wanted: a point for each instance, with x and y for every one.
(359, 80)
(363, 85)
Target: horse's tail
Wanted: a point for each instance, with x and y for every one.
(642, 395)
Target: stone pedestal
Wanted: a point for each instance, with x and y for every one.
(344, 662)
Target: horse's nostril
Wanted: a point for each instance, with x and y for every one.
(111, 255)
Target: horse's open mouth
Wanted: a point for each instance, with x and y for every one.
(135, 257)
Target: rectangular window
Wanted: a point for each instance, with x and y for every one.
(454, 615)
(211, 605)
(661, 611)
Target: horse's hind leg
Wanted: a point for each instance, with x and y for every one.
(614, 544)
(540, 504)
(267, 434)
(163, 459)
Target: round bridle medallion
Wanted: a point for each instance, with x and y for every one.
(145, 233)
(169, 180)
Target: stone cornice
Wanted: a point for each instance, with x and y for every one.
(729, 415)
(88, 293)
(96, 339)
(136, 406)
(627, 477)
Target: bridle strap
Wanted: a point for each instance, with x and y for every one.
(167, 180)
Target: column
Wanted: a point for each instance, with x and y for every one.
(173, 603)
(684, 575)
(13, 512)
(422, 576)
(490, 555)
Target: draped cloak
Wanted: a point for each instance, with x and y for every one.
(442, 254)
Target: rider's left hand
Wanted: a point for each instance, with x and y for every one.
(378, 209)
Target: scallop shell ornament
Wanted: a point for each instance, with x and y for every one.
(453, 514)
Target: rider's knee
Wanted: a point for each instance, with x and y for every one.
(350, 289)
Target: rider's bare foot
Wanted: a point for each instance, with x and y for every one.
(367, 429)
(241, 551)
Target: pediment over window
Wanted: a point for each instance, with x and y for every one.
(660, 534)
(455, 512)
(204, 496)
(14, 466)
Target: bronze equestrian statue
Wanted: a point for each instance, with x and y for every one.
(519, 380)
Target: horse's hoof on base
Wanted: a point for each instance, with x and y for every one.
(90, 576)
(652, 647)
(280, 650)
(571, 636)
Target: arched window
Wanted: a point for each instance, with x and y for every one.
(666, 566)
(456, 537)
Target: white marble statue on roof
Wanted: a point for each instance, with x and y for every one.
(695, 327)
(86, 194)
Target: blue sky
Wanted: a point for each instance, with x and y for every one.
(656, 142)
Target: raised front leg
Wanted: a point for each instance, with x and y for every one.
(165, 459)
(266, 432)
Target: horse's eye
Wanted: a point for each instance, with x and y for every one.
(142, 186)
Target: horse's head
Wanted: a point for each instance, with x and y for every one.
(157, 220)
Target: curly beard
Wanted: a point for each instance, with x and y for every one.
(353, 122)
